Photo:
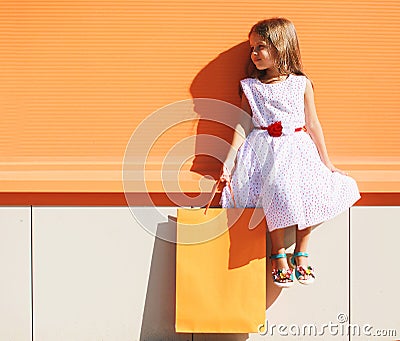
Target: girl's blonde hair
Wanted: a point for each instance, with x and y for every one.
(281, 36)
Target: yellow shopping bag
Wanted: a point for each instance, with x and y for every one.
(220, 270)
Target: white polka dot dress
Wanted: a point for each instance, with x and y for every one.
(285, 175)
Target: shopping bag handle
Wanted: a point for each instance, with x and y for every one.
(215, 190)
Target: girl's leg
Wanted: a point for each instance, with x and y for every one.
(302, 238)
(278, 246)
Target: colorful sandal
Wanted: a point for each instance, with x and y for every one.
(307, 274)
(282, 278)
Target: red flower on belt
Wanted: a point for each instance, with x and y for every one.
(275, 129)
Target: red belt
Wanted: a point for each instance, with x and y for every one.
(275, 129)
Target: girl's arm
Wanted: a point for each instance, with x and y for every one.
(242, 129)
(314, 127)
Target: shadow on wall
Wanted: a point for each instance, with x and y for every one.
(159, 310)
(218, 80)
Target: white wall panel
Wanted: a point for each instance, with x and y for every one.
(15, 275)
(375, 275)
(100, 276)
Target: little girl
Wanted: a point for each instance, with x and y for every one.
(283, 165)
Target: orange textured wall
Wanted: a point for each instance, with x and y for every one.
(77, 77)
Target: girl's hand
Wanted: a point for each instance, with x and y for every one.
(226, 175)
(332, 168)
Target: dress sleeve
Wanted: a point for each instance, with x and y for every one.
(244, 83)
(246, 87)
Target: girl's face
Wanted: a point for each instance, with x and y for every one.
(261, 55)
